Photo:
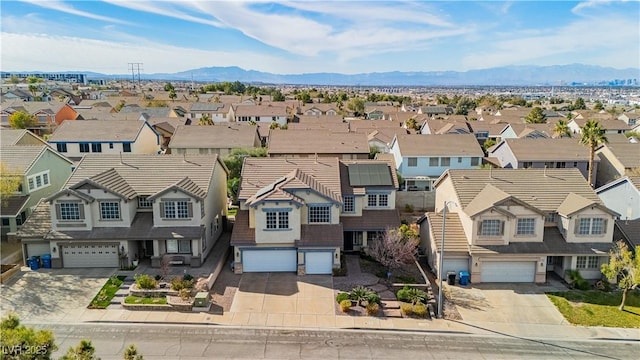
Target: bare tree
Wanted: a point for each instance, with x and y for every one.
(165, 267)
(393, 249)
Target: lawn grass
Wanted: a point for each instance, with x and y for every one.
(146, 300)
(107, 292)
(598, 308)
(232, 212)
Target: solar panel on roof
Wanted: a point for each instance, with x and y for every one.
(369, 175)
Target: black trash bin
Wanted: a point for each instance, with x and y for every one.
(451, 278)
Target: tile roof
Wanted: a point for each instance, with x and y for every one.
(242, 234)
(455, 239)
(630, 230)
(147, 174)
(97, 130)
(260, 110)
(112, 181)
(553, 244)
(607, 124)
(209, 107)
(12, 205)
(321, 235)
(11, 136)
(318, 142)
(373, 220)
(547, 149)
(439, 145)
(332, 126)
(485, 199)
(627, 153)
(38, 224)
(260, 172)
(214, 137)
(542, 189)
(19, 158)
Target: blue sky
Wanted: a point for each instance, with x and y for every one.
(291, 37)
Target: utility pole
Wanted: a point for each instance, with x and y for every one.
(135, 67)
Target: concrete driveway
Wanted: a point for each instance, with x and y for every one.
(278, 298)
(511, 303)
(51, 294)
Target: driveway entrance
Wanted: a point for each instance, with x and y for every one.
(284, 294)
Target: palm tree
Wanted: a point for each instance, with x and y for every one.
(592, 136)
(561, 129)
(205, 120)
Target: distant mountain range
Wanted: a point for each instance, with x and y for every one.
(508, 75)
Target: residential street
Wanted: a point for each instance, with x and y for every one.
(200, 342)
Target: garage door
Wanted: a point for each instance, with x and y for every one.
(38, 249)
(508, 271)
(269, 260)
(98, 255)
(318, 262)
(455, 265)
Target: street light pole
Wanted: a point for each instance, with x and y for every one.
(441, 262)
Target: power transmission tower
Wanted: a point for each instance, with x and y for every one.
(135, 67)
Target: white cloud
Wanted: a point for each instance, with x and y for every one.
(164, 8)
(589, 4)
(62, 7)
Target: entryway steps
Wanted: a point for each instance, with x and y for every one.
(391, 308)
(122, 292)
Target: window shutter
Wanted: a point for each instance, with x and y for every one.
(604, 226)
(81, 210)
(162, 215)
(479, 227)
(576, 226)
(190, 209)
(501, 227)
(58, 216)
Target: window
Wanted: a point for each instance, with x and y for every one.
(277, 220)
(575, 164)
(319, 214)
(110, 210)
(551, 217)
(61, 148)
(5, 221)
(372, 200)
(68, 211)
(144, 203)
(348, 204)
(20, 219)
(527, 164)
(383, 200)
(591, 226)
(445, 161)
(412, 162)
(373, 236)
(433, 161)
(459, 159)
(179, 246)
(176, 209)
(587, 262)
(561, 165)
(526, 226)
(491, 228)
(126, 147)
(377, 200)
(84, 147)
(475, 161)
(96, 147)
(38, 181)
(110, 145)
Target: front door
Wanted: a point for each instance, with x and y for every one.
(148, 248)
(348, 240)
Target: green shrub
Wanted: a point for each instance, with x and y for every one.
(373, 298)
(360, 294)
(420, 310)
(406, 279)
(372, 309)
(187, 277)
(577, 281)
(407, 309)
(144, 281)
(184, 293)
(345, 305)
(341, 297)
(178, 284)
(412, 295)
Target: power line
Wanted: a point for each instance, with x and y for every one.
(135, 67)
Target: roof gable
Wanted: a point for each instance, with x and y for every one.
(110, 181)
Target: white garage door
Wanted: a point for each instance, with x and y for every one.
(269, 260)
(318, 262)
(79, 256)
(455, 265)
(38, 249)
(508, 271)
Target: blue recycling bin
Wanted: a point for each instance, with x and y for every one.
(34, 263)
(46, 261)
(464, 278)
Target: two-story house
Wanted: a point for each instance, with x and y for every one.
(260, 113)
(421, 159)
(610, 126)
(298, 215)
(77, 138)
(218, 139)
(42, 171)
(318, 143)
(517, 225)
(117, 208)
(541, 153)
(622, 196)
(216, 112)
(619, 157)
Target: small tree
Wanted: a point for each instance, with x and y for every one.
(624, 267)
(18, 340)
(393, 249)
(598, 106)
(205, 120)
(9, 183)
(131, 353)
(168, 87)
(172, 95)
(84, 351)
(412, 124)
(536, 116)
(579, 104)
(22, 120)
